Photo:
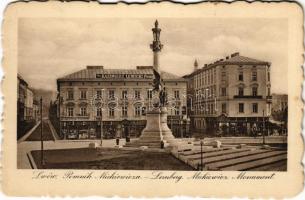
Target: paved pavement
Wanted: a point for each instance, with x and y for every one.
(26, 146)
(250, 140)
(47, 133)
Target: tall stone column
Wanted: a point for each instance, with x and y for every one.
(156, 130)
(156, 46)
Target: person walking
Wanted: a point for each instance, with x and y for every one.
(118, 134)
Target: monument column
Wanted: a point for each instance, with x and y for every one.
(156, 131)
(156, 46)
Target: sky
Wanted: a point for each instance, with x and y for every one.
(51, 48)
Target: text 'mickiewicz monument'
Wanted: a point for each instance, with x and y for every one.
(156, 130)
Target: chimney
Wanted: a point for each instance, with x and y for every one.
(144, 67)
(205, 65)
(227, 57)
(234, 54)
(95, 67)
(195, 65)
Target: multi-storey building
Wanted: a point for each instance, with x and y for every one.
(229, 96)
(27, 107)
(25, 101)
(279, 111)
(279, 102)
(95, 96)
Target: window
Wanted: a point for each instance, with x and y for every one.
(240, 91)
(83, 111)
(268, 76)
(176, 94)
(124, 111)
(70, 94)
(223, 91)
(143, 110)
(124, 94)
(255, 108)
(111, 94)
(212, 78)
(269, 91)
(83, 94)
(149, 94)
(99, 94)
(254, 76)
(70, 111)
(137, 111)
(177, 110)
(137, 94)
(99, 112)
(223, 75)
(224, 108)
(240, 76)
(111, 112)
(254, 91)
(241, 108)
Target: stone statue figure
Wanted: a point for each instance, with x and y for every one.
(158, 87)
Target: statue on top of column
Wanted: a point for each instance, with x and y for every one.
(156, 47)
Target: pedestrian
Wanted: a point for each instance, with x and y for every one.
(118, 134)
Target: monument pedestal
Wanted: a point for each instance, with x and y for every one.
(156, 130)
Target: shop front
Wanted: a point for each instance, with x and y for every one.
(92, 129)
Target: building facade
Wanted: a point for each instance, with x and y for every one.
(96, 96)
(230, 96)
(279, 102)
(26, 104)
(279, 113)
(27, 107)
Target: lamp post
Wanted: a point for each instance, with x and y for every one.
(263, 127)
(101, 117)
(187, 126)
(101, 122)
(41, 136)
(171, 118)
(201, 155)
(181, 127)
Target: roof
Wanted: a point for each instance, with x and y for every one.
(234, 59)
(242, 60)
(92, 74)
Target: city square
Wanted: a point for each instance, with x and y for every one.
(220, 117)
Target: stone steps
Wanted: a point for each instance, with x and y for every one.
(229, 152)
(224, 157)
(279, 166)
(234, 162)
(204, 150)
(139, 145)
(256, 163)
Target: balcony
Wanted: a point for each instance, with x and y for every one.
(247, 97)
(82, 116)
(269, 99)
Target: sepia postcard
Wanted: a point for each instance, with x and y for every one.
(152, 100)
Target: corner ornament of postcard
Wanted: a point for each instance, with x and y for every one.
(124, 96)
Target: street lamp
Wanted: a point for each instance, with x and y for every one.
(97, 105)
(41, 136)
(263, 127)
(172, 118)
(187, 126)
(181, 128)
(101, 117)
(201, 155)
